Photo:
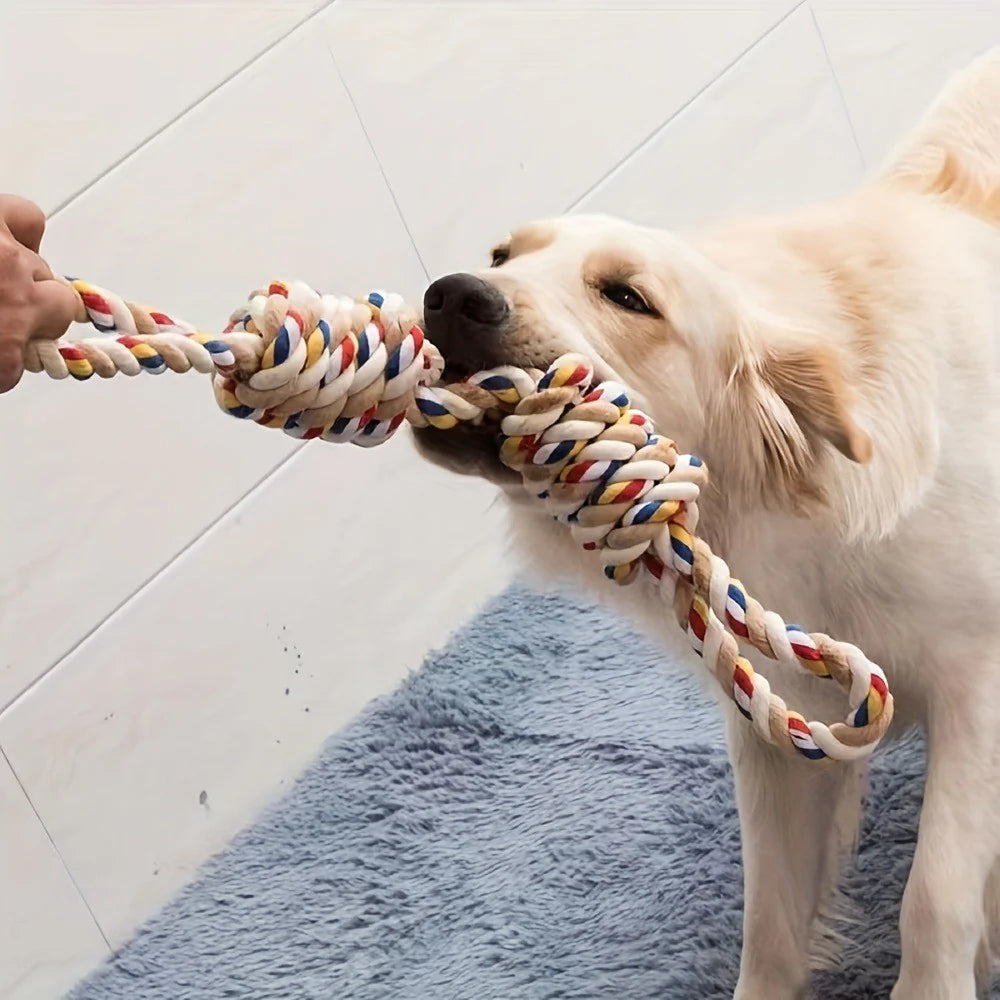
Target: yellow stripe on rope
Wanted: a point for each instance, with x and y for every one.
(267, 358)
(875, 703)
(227, 398)
(510, 395)
(562, 375)
(666, 510)
(444, 422)
(314, 347)
(818, 667)
(79, 368)
(142, 350)
(681, 534)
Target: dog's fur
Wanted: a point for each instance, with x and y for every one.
(837, 370)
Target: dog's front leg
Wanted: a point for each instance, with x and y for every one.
(797, 818)
(942, 920)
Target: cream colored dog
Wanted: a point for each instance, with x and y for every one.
(837, 370)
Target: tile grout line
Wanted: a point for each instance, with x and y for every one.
(658, 131)
(378, 161)
(84, 188)
(150, 580)
(836, 83)
(59, 855)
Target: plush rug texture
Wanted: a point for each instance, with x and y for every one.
(534, 814)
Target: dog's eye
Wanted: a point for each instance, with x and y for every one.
(626, 298)
(499, 256)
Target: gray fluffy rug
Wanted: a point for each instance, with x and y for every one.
(528, 817)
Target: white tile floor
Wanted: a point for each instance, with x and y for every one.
(165, 575)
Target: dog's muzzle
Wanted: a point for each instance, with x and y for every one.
(466, 318)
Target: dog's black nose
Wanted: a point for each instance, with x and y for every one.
(465, 317)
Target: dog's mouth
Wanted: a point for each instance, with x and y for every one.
(471, 449)
(476, 327)
(474, 448)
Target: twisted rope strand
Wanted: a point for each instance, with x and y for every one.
(314, 365)
(342, 369)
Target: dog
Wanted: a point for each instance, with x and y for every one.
(837, 370)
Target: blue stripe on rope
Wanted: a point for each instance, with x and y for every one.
(682, 550)
(324, 328)
(431, 408)
(497, 382)
(861, 715)
(392, 365)
(645, 512)
(155, 363)
(561, 450)
(282, 345)
(364, 349)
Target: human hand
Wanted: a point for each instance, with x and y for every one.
(33, 303)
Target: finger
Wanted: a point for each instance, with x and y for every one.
(40, 271)
(55, 308)
(24, 219)
(11, 363)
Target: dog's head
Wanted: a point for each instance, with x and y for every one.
(713, 370)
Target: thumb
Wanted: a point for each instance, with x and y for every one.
(55, 308)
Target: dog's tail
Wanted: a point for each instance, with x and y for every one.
(954, 153)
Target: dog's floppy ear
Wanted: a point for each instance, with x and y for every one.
(783, 400)
(808, 381)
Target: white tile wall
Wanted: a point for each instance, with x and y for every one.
(166, 576)
(892, 59)
(515, 109)
(87, 81)
(770, 134)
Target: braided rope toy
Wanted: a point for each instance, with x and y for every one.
(342, 369)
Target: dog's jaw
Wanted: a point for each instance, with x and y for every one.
(468, 451)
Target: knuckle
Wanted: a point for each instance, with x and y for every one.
(34, 223)
(10, 253)
(15, 275)
(24, 218)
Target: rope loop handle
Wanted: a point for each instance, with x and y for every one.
(624, 491)
(343, 369)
